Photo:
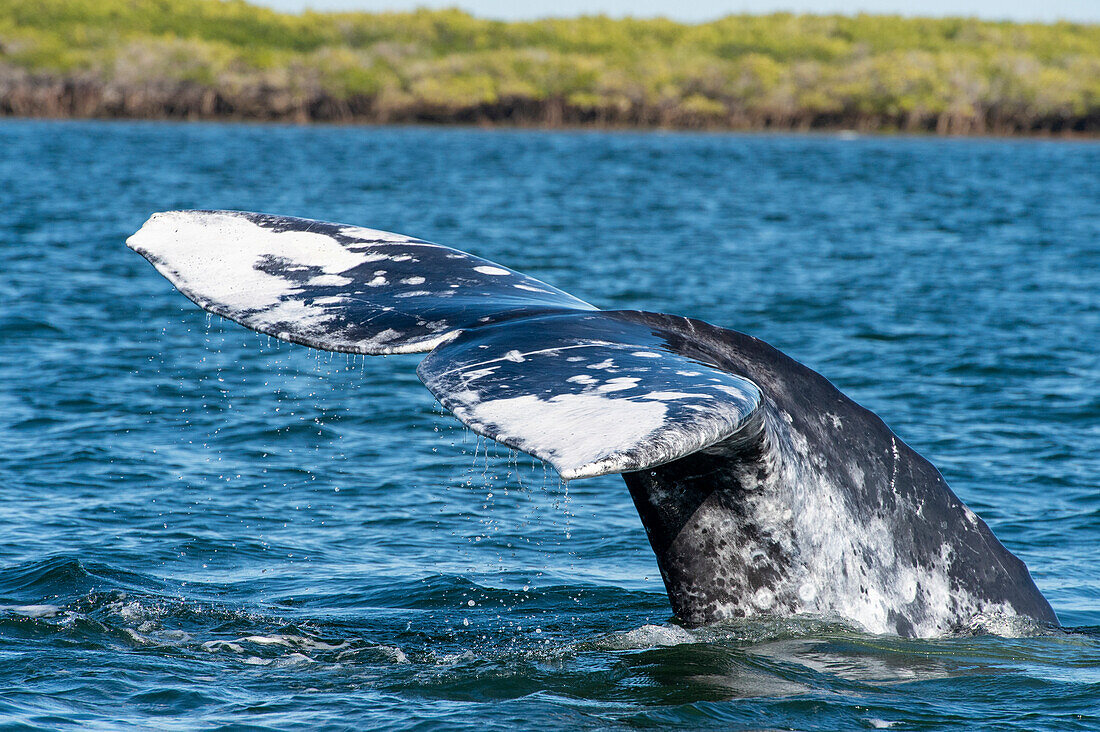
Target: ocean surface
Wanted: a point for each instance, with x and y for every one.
(201, 527)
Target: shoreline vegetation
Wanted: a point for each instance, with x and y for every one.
(229, 60)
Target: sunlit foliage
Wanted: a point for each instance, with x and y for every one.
(229, 58)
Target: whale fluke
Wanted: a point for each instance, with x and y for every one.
(336, 287)
(589, 393)
(762, 488)
(621, 399)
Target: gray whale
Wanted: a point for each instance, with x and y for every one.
(764, 491)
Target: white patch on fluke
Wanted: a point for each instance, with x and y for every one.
(619, 384)
(574, 429)
(623, 417)
(364, 234)
(219, 253)
(667, 396)
(330, 280)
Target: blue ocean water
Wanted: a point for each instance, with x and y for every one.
(201, 527)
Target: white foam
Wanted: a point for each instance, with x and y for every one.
(648, 636)
(33, 611)
(217, 645)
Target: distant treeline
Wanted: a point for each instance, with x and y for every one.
(214, 59)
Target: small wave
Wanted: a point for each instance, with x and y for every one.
(293, 641)
(32, 611)
(739, 632)
(1007, 626)
(647, 636)
(68, 576)
(293, 659)
(220, 645)
(393, 653)
(59, 576)
(177, 625)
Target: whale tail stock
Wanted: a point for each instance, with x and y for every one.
(762, 488)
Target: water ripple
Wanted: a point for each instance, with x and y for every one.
(202, 527)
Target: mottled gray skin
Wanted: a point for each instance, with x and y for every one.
(720, 558)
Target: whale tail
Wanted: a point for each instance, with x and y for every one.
(759, 484)
(588, 391)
